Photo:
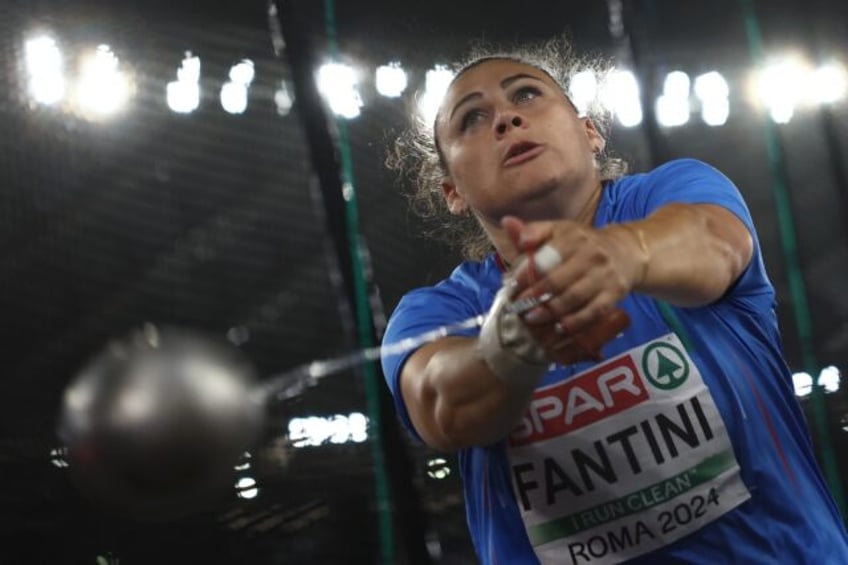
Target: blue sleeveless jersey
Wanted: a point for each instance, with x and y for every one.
(780, 509)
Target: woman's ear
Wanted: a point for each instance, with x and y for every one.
(456, 203)
(596, 140)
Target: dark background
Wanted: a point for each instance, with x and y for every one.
(210, 221)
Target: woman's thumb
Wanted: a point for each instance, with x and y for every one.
(514, 227)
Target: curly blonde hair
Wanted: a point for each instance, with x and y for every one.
(417, 160)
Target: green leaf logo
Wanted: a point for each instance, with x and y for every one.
(665, 366)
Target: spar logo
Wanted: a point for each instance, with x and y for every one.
(665, 366)
(594, 395)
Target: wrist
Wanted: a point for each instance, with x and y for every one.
(507, 347)
(638, 251)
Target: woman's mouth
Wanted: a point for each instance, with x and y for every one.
(522, 152)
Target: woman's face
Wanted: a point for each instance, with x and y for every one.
(513, 143)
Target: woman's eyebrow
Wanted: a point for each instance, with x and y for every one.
(512, 78)
(504, 84)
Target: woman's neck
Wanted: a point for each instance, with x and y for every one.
(585, 214)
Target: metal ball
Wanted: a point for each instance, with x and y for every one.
(155, 424)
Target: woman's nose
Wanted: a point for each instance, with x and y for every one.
(507, 122)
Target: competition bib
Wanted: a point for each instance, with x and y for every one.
(623, 459)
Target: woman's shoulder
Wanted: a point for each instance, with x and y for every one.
(677, 172)
(471, 276)
(675, 167)
(468, 278)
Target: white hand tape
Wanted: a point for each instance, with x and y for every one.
(546, 258)
(507, 346)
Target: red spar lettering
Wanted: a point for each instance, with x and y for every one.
(596, 394)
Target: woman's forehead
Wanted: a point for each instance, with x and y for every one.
(488, 75)
(491, 72)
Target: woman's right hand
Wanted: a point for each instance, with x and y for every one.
(560, 345)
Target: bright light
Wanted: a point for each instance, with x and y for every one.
(716, 113)
(313, 431)
(712, 90)
(828, 84)
(245, 464)
(102, 89)
(779, 87)
(189, 70)
(711, 85)
(437, 468)
(234, 98)
(582, 90)
(338, 84)
(436, 83)
(183, 97)
(390, 80)
(183, 94)
(59, 457)
(243, 72)
(357, 427)
(803, 383)
(620, 94)
(234, 91)
(673, 105)
(829, 379)
(44, 70)
(677, 84)
(246, 488)
(672, 112)
(284, 99)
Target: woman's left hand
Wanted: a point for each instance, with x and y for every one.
(597, 269)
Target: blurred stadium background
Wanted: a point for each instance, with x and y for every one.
(153, 169)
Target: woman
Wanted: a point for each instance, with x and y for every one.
(637, 406)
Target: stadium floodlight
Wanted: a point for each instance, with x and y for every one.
(246, 488)
(829, 379)
(102, 88)
(283, 99)
(45, 76)
(712, 90)
(339, 85)
(672, 105)
(828, 84)
(243, 72)
(313, 431)
(779, 87)
(438, 468)
(183, 94)
(390, 80)
(436, 83)
(802, 383)
(234, 97)
(234, 91)
(583, 89)
(620, 95)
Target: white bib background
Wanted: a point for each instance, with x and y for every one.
(623, 458)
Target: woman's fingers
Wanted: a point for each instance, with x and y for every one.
(565, 347)
(513, 227)
(586, 274)
(558, 348)
(529, 236)
(574, 267)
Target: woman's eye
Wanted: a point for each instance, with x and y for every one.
(525, 93)
(470, 118)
